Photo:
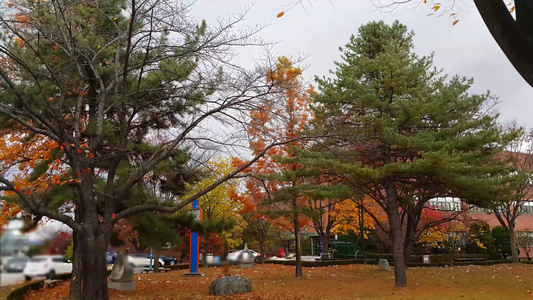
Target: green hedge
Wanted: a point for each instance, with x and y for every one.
(376, 261)
(378, 256)
(322, 263)
(437, 258)
(18, 293)
(528, 262)
(466, 263)
(178, 266)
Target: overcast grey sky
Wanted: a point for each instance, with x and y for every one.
(321, 26)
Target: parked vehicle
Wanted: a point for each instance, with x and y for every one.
(140, 260)
(111, 257)
(46, 266)
(232, 255)
(16, 264)
(168, 261)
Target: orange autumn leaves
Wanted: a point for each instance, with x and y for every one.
(9, 211)
(20, 152)
(280, 118)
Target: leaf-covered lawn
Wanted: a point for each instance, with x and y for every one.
(335, 282)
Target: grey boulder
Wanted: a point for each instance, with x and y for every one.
(230, 286)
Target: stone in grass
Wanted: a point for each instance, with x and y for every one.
(384, 265)
(230, 286)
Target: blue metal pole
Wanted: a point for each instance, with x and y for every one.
(194, 255)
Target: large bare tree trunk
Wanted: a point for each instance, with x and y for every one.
(75, 281)
(324, 237)
(409, 239)
(400, 276)
(156, 260)
(94, 266)
(362, 232)
(299, 272)
(512, 236)
(513, 36)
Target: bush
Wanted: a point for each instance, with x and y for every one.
(502, 240)
(326, 263)
(465, 263)
(378, 256)
(18, 293)
(323, 263)
(178, 266)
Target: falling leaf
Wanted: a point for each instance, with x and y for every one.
(512, 9)
(455, 22)
(436, 7)
(57, 47)
(281, 14)
(114, 19)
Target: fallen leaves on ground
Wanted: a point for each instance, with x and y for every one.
(335, 282)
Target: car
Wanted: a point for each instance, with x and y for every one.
(139, 260)
(111, 257)
(46, 266)
(169, 261)
(16, 264)
(257, 255)
(232, 255)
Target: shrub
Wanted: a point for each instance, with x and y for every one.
(502, 240)
(18, 293)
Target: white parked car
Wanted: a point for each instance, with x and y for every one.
(140, 260)
(47, 266)
(233, 254)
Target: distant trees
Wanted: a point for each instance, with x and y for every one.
(520, 159)
(524, 239)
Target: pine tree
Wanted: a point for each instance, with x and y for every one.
(402, 134)
(119, 90)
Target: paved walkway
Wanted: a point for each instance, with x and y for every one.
(10, 278)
